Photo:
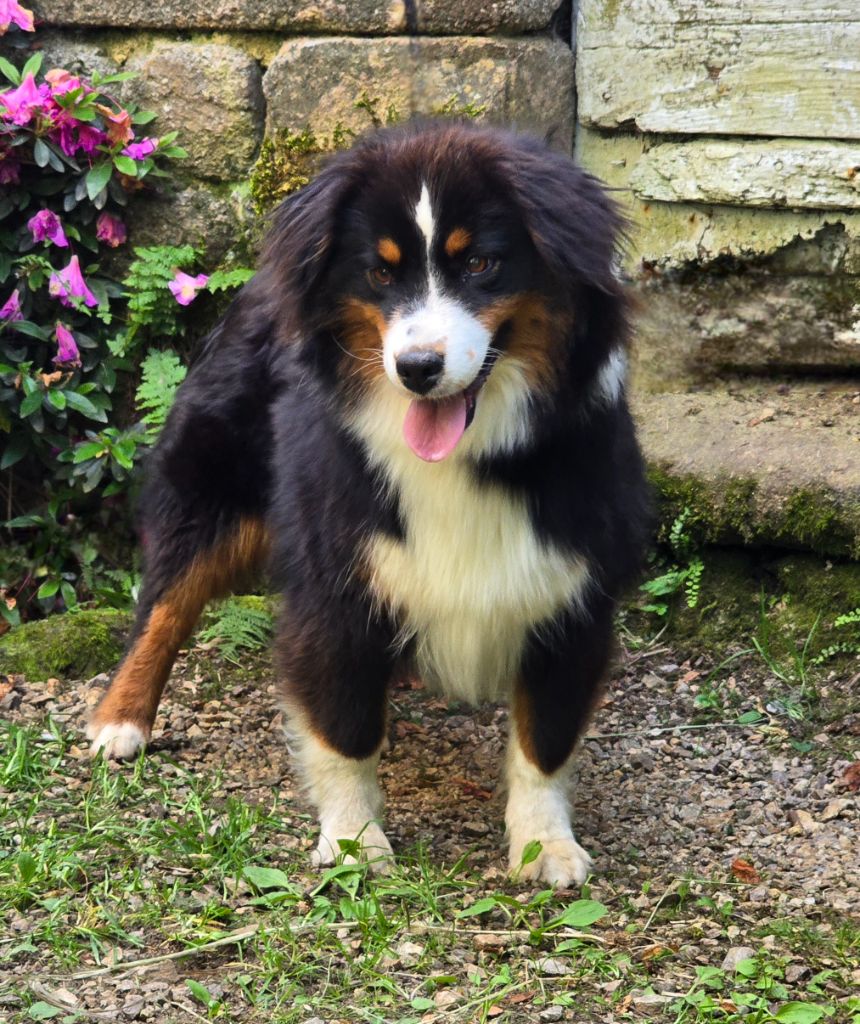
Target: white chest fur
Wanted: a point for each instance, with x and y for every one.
(471, 577)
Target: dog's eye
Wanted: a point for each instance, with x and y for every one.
(381, 276)
(478, 265)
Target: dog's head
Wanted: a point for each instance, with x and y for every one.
(449, 273)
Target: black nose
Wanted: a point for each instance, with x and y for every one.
(420, 369)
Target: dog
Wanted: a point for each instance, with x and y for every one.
(414, 416)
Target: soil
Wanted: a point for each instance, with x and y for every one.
(668, 801)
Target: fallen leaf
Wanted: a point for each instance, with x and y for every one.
(765, 416)
(403, 728)
(473, 789)
(649, 952)
(495, 1011)
(744, 871)
(521, 997)
(850, 778)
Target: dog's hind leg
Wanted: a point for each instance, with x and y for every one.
(201, 514)
(181, 577)
(562, 671)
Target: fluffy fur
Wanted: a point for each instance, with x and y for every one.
(414, 416)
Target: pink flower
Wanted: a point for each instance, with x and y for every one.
(67, 350)
(185, 287)
(10, 311)
(61, 81)
(11, 12)
(141, 150)
(110, 229)
(23, 102)
(46, 224)
(68, 284)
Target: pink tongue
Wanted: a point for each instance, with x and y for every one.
(432, 429)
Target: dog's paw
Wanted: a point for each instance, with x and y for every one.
(375, 848)
(117, 741)
(561, 862)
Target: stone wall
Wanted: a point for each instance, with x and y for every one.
(303, 77)
(733, 129)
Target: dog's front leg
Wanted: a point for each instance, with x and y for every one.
(560, 678)
(336, 670)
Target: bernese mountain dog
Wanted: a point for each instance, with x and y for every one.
(414, 417)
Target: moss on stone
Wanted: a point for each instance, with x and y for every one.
(780, 599)
(733, 509)
(76, 645)
(287, 162)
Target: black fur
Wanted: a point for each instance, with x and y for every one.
(259, 430)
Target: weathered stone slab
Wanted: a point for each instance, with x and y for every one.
(362, 17)
(813, 175)
(677, 235)
(753, 67)
(756, 322)
(761, 464)
(317, 82)
(212, 95)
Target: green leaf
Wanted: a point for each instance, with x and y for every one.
(422, 1003)
(69, 596)
(531, 852)
(143, 117)
(581, 913)
(26, 866)
(161, 374)
(89, 450)
(32, 66)
(10, 71)
(57, 399)
(31, 403)
(748, 717)
(41, 153)
(200, 992)
(82, 404)
(31, 329)
(97, 178)
(48, 588)
(125, 165)
(483, 906)
(44, 1011)
(799, 1013)
(267, 878)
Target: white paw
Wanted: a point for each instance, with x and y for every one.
(561, 862)
(375, 848)
(116, 741)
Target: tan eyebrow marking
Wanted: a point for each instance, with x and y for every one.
(457, 241)
(389, 250)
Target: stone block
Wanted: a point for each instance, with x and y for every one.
(761, 67)
(362, 17)
(213, 221)
(317, 83)
(211, 95)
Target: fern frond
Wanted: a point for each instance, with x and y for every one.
(161, 374)
(236, 628)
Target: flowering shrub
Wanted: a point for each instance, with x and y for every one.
(71, 159)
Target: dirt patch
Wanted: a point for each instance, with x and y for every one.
(717, 830)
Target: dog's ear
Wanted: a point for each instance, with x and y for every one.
(574, 225)
(300, 240)
(577, 230)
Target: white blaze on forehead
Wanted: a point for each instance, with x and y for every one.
(424, 217)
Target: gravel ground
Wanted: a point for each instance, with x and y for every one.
(671, 802)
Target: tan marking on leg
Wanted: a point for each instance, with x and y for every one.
(389, 250)
(136, 688)
(457, 241)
